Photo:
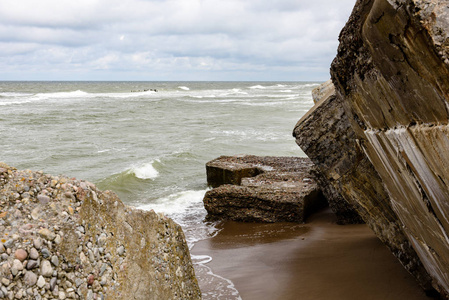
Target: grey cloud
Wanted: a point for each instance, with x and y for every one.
(172, 37)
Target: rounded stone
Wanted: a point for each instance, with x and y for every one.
(9, 243)
(102, 239)
(47, 234)
(45, 253)
(58, 239)
(35, 213)
(78, 282)
(55, 260)
(53, 283)
(62, 295)
(46, 269)
(32, 264)
(30, 278)
(34, 254)
(21, 254)
(121, 250)
(37, 243)
(43, 199)
(41, 282)
(5, 281)
(16, 267)
(90, 279)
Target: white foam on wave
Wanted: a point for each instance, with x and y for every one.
(213, 286)
(22, 98)
(14, 94)
(177, 203)
(126, 95)
(201, 97)
(308, 85)
(201, 259)
(233, 92)
(183, 88)
(249, 135)
(4, 103)
(186, 208)
(145, 171)
(62, 95)
(267, 103)
(257, 87)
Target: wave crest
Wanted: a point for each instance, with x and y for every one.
(145, 171)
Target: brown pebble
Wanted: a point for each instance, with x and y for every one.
(21, 254)
(90, 279)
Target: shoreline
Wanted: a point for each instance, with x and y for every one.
(316, 260)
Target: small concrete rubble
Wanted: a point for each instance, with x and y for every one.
(262, 189)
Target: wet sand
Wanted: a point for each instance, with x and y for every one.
(313, 261)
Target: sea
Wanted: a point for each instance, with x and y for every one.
(149, 141)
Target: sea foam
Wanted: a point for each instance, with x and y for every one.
(257, 87)
(145, 171)
(177, 203)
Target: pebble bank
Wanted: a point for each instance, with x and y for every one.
(62, 238)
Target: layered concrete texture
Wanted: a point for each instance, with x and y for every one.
(391, 76)
(262, 189)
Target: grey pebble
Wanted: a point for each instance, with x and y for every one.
(16, 267)
(91, 256)
(41, 281)
(46, 269)
(61, 295)
(37, 243)
(43, 199)
(34, 254)
(30, 278)
(52, 283)
(58, 239)
(9, 243)
(103, 268)
(45, 253)
(80, 229)
(78, 282)
(55, 260)
(121, 250)
(32, 264)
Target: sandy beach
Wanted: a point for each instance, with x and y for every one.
(312, 261)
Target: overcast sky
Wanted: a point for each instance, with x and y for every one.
(271, 40)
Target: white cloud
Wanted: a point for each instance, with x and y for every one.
(170, 40)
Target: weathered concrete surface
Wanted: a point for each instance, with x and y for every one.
(78, 242)
(323, 91)
(392, 78)
(323, 130)
(281, 189)
(156, 260)
(354, 189)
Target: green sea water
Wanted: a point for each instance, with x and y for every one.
(150, 147)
